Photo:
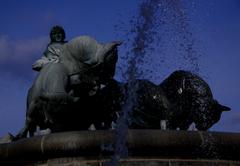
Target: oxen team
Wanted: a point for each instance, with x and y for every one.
(80, 91)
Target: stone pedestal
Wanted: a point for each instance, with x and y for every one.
(144, 148)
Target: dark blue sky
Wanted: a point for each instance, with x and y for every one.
(25, 25)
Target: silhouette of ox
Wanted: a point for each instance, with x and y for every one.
(181, 99)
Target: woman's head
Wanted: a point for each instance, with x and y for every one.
(57, 34)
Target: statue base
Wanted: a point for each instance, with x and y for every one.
(135, 162)
(144, 148)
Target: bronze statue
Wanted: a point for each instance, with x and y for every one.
(52, 52)
(68, 91)
(84, 64)
(180, 100)
(191, 101)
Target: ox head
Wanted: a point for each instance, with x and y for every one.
(211, 115)
(107, 58)
(93, 62)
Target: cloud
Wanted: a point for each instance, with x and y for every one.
(4, 47)
(20, 49)
(16, 56)
(234, 119)
(229, 122)
(13, 103)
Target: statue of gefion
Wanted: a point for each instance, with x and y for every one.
(60, 88)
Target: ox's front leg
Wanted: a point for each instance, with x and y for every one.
(29, 127)
(21, 134)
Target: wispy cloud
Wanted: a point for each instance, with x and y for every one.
(20, 49)
(17, 56)
(13, 103)
(229, 122)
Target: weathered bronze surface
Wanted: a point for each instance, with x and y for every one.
(54, 92)
(181, 99)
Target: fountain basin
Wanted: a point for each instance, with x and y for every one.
(144, 147)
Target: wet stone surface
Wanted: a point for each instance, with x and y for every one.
(136, 162)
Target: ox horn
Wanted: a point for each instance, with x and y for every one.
(223, 108)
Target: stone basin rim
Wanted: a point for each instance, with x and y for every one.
(166, 144)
